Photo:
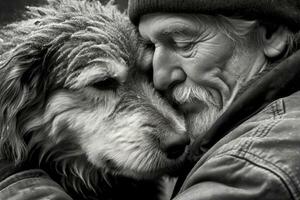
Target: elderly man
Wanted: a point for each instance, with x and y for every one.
(233, 69)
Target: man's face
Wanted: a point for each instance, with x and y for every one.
(195, 65)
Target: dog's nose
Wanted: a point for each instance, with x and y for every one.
(174, 145)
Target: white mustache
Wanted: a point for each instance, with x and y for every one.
(194, 93)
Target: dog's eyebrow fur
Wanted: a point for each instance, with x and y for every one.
(99, 70)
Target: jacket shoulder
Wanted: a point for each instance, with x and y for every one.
(267, 152)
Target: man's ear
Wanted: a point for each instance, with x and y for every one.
(274, 43)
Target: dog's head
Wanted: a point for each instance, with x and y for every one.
(71, 95)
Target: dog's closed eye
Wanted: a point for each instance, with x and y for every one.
(101, 77)
(107, 84)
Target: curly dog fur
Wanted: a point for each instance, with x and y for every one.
(73, 103)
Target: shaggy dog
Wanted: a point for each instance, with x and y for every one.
(73, 103)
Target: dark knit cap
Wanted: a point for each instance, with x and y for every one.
(279, 11)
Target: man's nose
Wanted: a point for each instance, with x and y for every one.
(167, 69)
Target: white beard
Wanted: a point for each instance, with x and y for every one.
(198, 122)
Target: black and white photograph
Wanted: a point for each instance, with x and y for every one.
(149, 100)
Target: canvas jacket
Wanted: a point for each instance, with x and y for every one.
(27, 184)
(258, 156)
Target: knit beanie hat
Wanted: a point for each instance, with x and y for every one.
(285, 12)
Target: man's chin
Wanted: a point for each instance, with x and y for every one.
(199, 122)
(194, 127)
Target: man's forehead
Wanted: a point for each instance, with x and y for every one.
(167, 23)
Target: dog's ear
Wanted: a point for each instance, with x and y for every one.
(20, 88)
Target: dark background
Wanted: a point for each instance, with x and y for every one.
(11, 10)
